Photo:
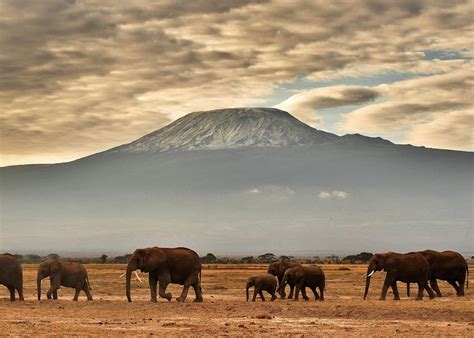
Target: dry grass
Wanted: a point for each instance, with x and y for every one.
(225, 311)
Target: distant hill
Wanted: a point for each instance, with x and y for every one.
(243, 180)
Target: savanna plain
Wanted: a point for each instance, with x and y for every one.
(226, 312)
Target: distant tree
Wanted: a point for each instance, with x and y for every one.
(32, 258)
(363, 257)
(209, 259)
(266, 258)
(247, 260)
(286, 258)
(103, 258)
(53, 256)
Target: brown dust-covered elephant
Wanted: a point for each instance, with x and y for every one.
(68, 274)
(449, 266)
(11, 275)
(167, 265)
(266, 282)
(306, 276)
(278, 269)
(407, 268)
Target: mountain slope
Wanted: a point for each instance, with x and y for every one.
(229, 129)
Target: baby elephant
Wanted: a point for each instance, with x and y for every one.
(261, 283)
(306, 276)
(71, 275)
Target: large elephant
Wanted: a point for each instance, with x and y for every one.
(449, 266)
(408, 268)
(68, 274)
(305, 276)
(261, 283)
(278, 269)
(167, 265)
(11, 275)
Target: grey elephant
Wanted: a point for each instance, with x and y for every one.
(266, 282)
(408, 268)
(305, 276)
(71, 275)
(167, 265)
(278, 269)
(450, 266)
(11, 275)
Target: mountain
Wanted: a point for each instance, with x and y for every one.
(243, 181)
(229, 129)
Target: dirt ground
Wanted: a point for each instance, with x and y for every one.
(225, 311)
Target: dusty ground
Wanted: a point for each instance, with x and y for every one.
(225, 311)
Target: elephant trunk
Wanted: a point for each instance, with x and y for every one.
(367, 284)
(132, 266)
(247, 290)
(281, 287)
(38, 286)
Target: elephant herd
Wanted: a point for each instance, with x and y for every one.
(183, 266)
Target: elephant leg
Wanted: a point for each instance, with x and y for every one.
(303, 293)
(76, 294)
(386, 284)
(20, 292)
(198, 292)
(184, 294)
(428, 289)
(455, 286)
(396, 295)
(55, 294)
(292, 289)
(272, 293)
(435, 287)
(461, 281)
(152, 282)
(419, 296)
(297, 292)
(52, 291)
(12, 293)
(261, 295)
(87, 291)
(255, 292)
(316, 296)
(321, 291)
(162, 291)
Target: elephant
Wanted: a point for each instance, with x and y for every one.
(266, 282)
(305, 276)
(68, 274)
(449, 266)
(11, 275)
(407, 268)
(167, 265)
(278, 269)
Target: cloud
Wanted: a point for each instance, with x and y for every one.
(335, 194)
(272, 192)
(82, 76)
(304, 104)
(452, 130)
(421, 107)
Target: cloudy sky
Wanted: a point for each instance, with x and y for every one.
(79, 77)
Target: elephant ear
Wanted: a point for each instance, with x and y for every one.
(391, 262)
(154, 259)
(299, 273)
(54, 267)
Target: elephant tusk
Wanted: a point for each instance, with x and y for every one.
(370, 274)
(138, 277)
(136, 274)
